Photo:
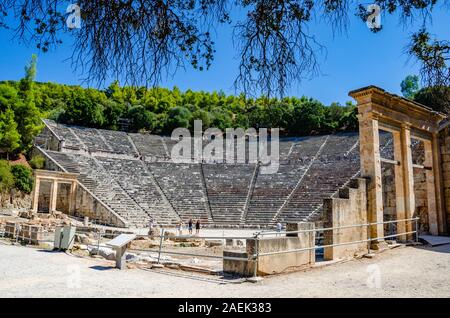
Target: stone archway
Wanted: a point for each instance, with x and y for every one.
(405, 119)
(56, 178)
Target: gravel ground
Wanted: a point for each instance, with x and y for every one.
(402, 272)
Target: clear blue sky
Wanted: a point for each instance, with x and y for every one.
(355, 59)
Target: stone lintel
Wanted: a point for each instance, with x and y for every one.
(396, 110)
(55, 175)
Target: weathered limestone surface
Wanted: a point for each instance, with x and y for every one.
(445, 168)
(350, 208)
(371, 168)
(87, 205)
(405, 119)
(275, 263)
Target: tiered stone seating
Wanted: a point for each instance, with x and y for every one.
(77, 138)
(183, 186)
(102, 185)
(227, 188)
(340, 146)
(135, 179)
(92, 139)
(118, 141)
(305, 148)
(386, 145)
(150, 145)
(215, 193)
(334, 166)
(285, 149)
(320, 182)
(64, 132)
(270, 192)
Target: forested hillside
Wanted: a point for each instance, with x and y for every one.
(156, 110)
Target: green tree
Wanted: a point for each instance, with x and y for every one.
(308, 118)
(437, 98)
(37, 162)
(23, 178)
(141, 118)
(112, 111)
(84, 108)
(410, 86)
(9, 136)
(178, 117)
(6, 177)
(29, 124)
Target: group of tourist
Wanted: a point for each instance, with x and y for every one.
(179, 227)
(190, 226)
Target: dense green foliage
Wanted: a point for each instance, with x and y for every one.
(435, 97)
(19, 177)
(410, 86)
(37, 162)
(438, 98)
(19, 114)
(23, 178)
(160, 110)
(9, 136)
(6, 177)
(157, 110)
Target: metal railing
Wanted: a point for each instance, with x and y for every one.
(162, 237)
(254, 255)
(258, 236)
(366, 225)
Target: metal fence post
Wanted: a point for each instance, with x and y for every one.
(160, 245)
(369, 238)
(417, 230)
(98, 241)
(256, 255)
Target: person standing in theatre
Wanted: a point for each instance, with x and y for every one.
(190, 226)
(197, 227)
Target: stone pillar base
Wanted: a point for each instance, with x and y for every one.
(378, 245)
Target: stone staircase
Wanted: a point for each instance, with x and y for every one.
(182, 185)
(227, 188)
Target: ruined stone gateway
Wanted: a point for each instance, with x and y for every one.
(124, 179)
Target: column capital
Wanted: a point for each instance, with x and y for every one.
(406, 126)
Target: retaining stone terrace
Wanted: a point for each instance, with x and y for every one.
(227, 189)
(183, 186)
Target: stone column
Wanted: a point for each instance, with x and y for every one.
(53, 196)
(35, 203)
(399, 186)
(72, 197)
(431, 193)
(439, 188)
(408, 176)
(371, 168)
